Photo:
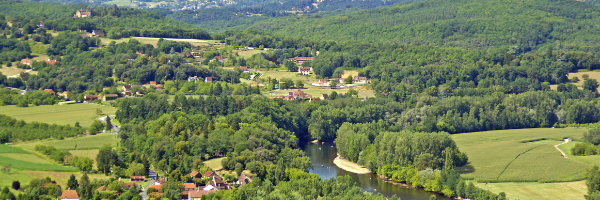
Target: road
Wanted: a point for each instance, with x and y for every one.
(145, 190)
(115, 128)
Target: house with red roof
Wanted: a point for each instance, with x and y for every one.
(51, 91)
(51, 62)
(219, 58)
(26, 62)
(69, 195)
(136, 178)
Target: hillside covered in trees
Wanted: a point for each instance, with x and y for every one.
(526, 25)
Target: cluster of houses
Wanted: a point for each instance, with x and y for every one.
(71, 194)
(195, 78)
(80, 14)
(193, 192)
(301, 59)
(327, 83)
(301, 96)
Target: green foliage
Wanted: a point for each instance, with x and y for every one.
(593, 183)
(24, 165)
(21, 131)
(82, 163)
(592, 136)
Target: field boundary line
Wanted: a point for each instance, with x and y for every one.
(498, 178)
(561, 151)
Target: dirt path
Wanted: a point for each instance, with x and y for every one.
(561, 151)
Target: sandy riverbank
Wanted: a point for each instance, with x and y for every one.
(350, 166)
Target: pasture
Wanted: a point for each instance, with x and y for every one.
(591, 74)
(26, 165)
(594, 160)
(518, 156)
(69, 114)
(537, 191)
(214, 164)
(79, 143)
(62, 178)
(154, 41)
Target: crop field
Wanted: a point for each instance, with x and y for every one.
(69, 114)
(536, 191)
(508, 156)
(80, 143)
(11, 149)
(25, 165)
(32, 158)
(15, 175)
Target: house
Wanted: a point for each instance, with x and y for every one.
(108, 97)
(220, 184)
(186, 55)
(159, 86)
(41, 24)
(160, 181)
(51, 91)
(208, 174)
(10, 23)
(321, 83)
(325, 96)
(358, 79)
(102, 188)
(80, 13)
(296, 95)
(98, 33)
(196, 53)
(195, 174)
(193, 78)
(301, 59)
(219, 58)
(314, 99)
(208, 79)
(197, 194)
(188, 186)
(23, 92)
(51, 62)
(152, 82)
(126, 90)
(69, 194)
(342, 80)
(129, 185)
(26, 62)
(137, 178)
(244, 69)
(243, 180)
(304, 70)
(90, 97)
(64, 94)
(157, 187)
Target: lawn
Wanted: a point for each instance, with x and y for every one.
(507, 155)
(11, 149)
(80, 143)
(214, 164)
(69, 114)
(536, 191)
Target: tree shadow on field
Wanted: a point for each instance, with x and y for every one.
(466, 169)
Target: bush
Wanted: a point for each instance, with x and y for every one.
(16, 185)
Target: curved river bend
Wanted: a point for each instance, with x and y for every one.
(322, 155)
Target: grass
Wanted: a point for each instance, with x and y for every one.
(91, 153)
(247, 53)
(594, 160)
(154, 41)
(11, 149)
(80, 143)
(10, 71)
(505, 156)
(214, 164)
(85, 114)
(579, 74)
(32, 158)
(62, 177)
(531, 191)
(15, 175)
(25, 165)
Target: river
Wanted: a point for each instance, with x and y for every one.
(322, 160)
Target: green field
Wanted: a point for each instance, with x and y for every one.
(11, 149)
(25, 165)
(507, 156)
(154, 41)
(214, 164)
(85, 114)
(32, 158)
(594, 160)
(80, 143)
(537, 191)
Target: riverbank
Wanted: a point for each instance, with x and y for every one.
(344, 164)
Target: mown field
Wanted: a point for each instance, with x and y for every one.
(80, 143)
(506, 156)
(69, 114)
(536, 191)
(154, 41)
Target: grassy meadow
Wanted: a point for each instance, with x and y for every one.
(517, 155)
(154, 41)
(79, 143)
(536, 191)
(69, 114)
(594, 160)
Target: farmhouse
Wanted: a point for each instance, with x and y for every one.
(193, 78)
(243, 180)
(244, 69)
(197, 194)
(208, 79)
(322, 83)
(136, 178)
(70, 195)
(98, 33)
(51, 91)
(90, 97)
(196, 53)
(108, 97)
(188, 186)
(26, 62)
(358, 79)
(304, 70)
(65, 94)
(51, 62)
(325, 96)
(314, 99)
(219, 58)
(301, 59)
(41, 24)
(298, 95)
(129, 185)
(157, 187)
(208, 174)
(342, 80)
(80, 13)
(102, 188)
